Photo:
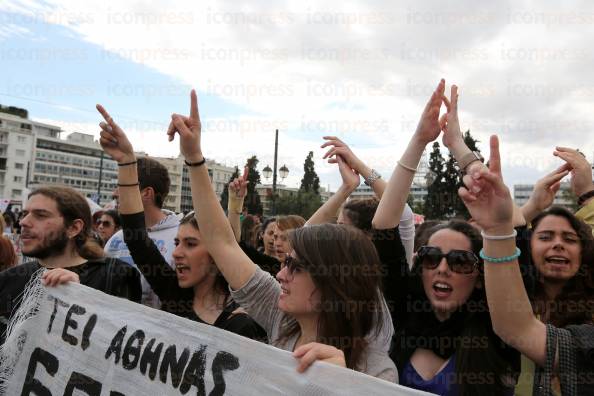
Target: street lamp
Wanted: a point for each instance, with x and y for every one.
(267, 172)
(284, 172)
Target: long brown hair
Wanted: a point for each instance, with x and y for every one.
(73, 206)
(220, 285)
(575, 303)
(344, 267)
(8, 257)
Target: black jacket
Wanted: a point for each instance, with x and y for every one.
(108, 275)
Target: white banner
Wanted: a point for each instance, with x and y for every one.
(84, 342)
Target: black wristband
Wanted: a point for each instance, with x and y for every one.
(584, 197)
(129, 185)
(199, 163)
(128, 163)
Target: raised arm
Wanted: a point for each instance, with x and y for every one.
(544, 193)
(116, 144)
(161, 277)
(338, 148)
(509, 306)
(581, 182)
(468, 161)
(394, 198)
(236, 195)
(329, 211)
(217, 234)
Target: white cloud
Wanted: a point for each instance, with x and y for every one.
(360, 70)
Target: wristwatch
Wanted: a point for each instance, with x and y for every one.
(372, 178)
(468, 159)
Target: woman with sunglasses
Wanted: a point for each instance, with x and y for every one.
(108, 224)
(326, 303)
(443, 340)
(195, 289)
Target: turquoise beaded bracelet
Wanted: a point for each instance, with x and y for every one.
(506, 259)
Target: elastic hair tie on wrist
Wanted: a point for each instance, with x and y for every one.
(499, 260)
(199, 163)
(499, 237)
(128, 163)
(584, 197)
(410, 168)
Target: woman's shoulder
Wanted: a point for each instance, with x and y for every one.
(239, 322)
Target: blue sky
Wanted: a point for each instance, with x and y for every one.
(359, 70)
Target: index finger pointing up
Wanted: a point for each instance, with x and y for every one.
(494, 158)
(194, 106)
(105, 114)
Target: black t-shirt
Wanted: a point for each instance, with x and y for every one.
(163, 280)
(110, 276)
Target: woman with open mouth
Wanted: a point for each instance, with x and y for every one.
(195, 289)
(563, 354)
(557, 259)
(444, 342)
(326, 303)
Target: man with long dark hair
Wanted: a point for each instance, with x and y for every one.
(56, 230)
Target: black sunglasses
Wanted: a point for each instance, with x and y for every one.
(104, 223)
(459, 261)
(293, 264)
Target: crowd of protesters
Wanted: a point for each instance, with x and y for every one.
(501, 303)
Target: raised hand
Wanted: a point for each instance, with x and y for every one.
(58, 276)
(492, 206)
(429, 128)
(581, 171)
(546, 188)
(449, 123)
(309, 353)
(340, 148)
(113, 140)
(238, 187)
(350, 178)
(189, 130)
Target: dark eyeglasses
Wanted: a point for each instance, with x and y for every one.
(104, 223)
(459, 261)
(293, 264)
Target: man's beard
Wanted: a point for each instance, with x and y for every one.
(50, 246)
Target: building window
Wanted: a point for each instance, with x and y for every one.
(18, 165)
(21, 139)
(17, 193)
(18, 179)
(20, 153)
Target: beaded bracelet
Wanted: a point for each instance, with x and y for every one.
(505, 259)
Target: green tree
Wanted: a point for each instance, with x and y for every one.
(252, 199)
(568, 195)
(310, 181)
(433, 208)
(451, 178)
(303, 204)
(416, 206)
(225, 193)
